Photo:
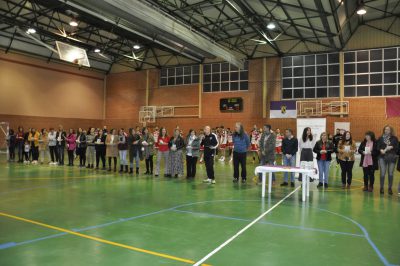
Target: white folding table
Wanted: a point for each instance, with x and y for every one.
(274, 169)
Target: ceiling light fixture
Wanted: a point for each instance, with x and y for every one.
(136, 47)
(271, 26)
(73, 23)
(97, 50)
(31, 31)
(361, 10)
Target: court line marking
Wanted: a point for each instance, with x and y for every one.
(97, 239)
(273, 224)
(201, 261)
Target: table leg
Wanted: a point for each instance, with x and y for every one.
(270, 183)
(263, 181)
(308, 186)
(303, 189)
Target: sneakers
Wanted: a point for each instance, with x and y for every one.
(390, 191)
(209, 181)
(326, 185)
(244, 181)
(284, 184)
(292, 184)
(213, 181)
(235, 180)
(320, 184)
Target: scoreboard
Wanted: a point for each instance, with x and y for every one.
(231, 104)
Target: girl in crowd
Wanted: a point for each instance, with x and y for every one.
(81, 142)
(223, 141)
(192, 153)
(11, 142)
(201, 135)
(347, 149)
(255, 137)
(388, 145)
(306, 145)
(156, 133)
(148, 150)
(27, 149)
(176, 145)
(52, 139)
(230, 144)
(122, 148)
(241, 145)
(323, 148)
(61, 136)
(34, 144)
(112, 149)
(100, 147)
(163, 152)
(134, 149)
(90, 151)
(71, 145)
(20, 143)
(43, 144)
(369, 160)
(278, 145)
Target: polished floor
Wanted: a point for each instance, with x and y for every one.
(53, 215)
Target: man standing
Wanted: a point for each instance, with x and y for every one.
(290, 146)
(210, 143)
(61, 136)
(267, 148)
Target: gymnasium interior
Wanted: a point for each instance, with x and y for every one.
(186, 64)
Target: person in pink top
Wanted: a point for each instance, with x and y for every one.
(71, 144)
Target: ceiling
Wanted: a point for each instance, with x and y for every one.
(178, 32)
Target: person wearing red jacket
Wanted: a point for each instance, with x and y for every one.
(163, 152)
(71, 143)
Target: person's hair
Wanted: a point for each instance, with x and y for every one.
(161, 129)
(143, 129)
(20, 128)
(392, 133)
(190, 132)
(291, 131)
(371, 134)
(42, 131)
(323, 133)
(241, 130)
(344, 137)
(304, 136)
(131, 131)
(268, 126)
(11, 131)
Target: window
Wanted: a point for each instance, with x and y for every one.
(310, 76)
(223, 77)
(373, 72)
(182, 75)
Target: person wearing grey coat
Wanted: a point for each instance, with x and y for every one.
(267, 148)
(192, 153)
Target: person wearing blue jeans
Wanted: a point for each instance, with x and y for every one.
(290, 146)
(323, 148)
(241, 142)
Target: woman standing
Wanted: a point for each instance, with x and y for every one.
(323, 148)
(148, 150)
(176, 144)
(81, 147)
(71, 146)
(100, 147)
(112, 149)
(241, 143)
(52, 138)
(33, 138)
(163, 152)
(134, 149)
(90, 150)
(388, 145)
(20, 144)
(347, 149)
(192, 153)
(122, 148)
(11, 142)
(306, 146)
(43, 144)
(369, 160)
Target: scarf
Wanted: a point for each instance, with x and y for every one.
(368, 157)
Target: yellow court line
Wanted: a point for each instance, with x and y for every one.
(101, 240)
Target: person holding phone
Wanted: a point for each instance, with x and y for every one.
(323, 148)
(369, 160)
(347, 149)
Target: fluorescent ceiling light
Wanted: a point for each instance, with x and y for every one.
(73, 23)
(136, 46)
(361, 10)
(97, 50)
(31, 31)
(271, 26)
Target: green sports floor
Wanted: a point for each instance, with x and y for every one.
(53, 215)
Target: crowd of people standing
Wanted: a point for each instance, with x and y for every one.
(101, 148)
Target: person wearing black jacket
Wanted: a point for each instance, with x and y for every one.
(81, 145)
(290, 146)
(338, 137)
(60, 136)
(11, 142)
(134, 147)
(369, 160)
(323, 148)
(100, 142)
(387, 145)
(210, 143)
(176, 145)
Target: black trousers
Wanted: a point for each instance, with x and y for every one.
(239, 159)
(209, 162)
(35, 153)
(347, 171)
(20, 147)
(53, 153)
(191, 166)
(369, 176)
(115, 162)
(26, 154)
(70, 157)
(60, 152)
(11, 153)
(101, 155)
(149, 164)
(82, 155)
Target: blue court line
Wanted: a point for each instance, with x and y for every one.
(270, 223)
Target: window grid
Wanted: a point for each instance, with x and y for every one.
(373, 72)
(223, 77)
(310, 76)
(182, 75)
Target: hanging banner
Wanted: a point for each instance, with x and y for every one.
(283, 109)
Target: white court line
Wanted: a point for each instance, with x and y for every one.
(244, 229)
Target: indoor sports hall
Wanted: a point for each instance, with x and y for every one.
(199, 132)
